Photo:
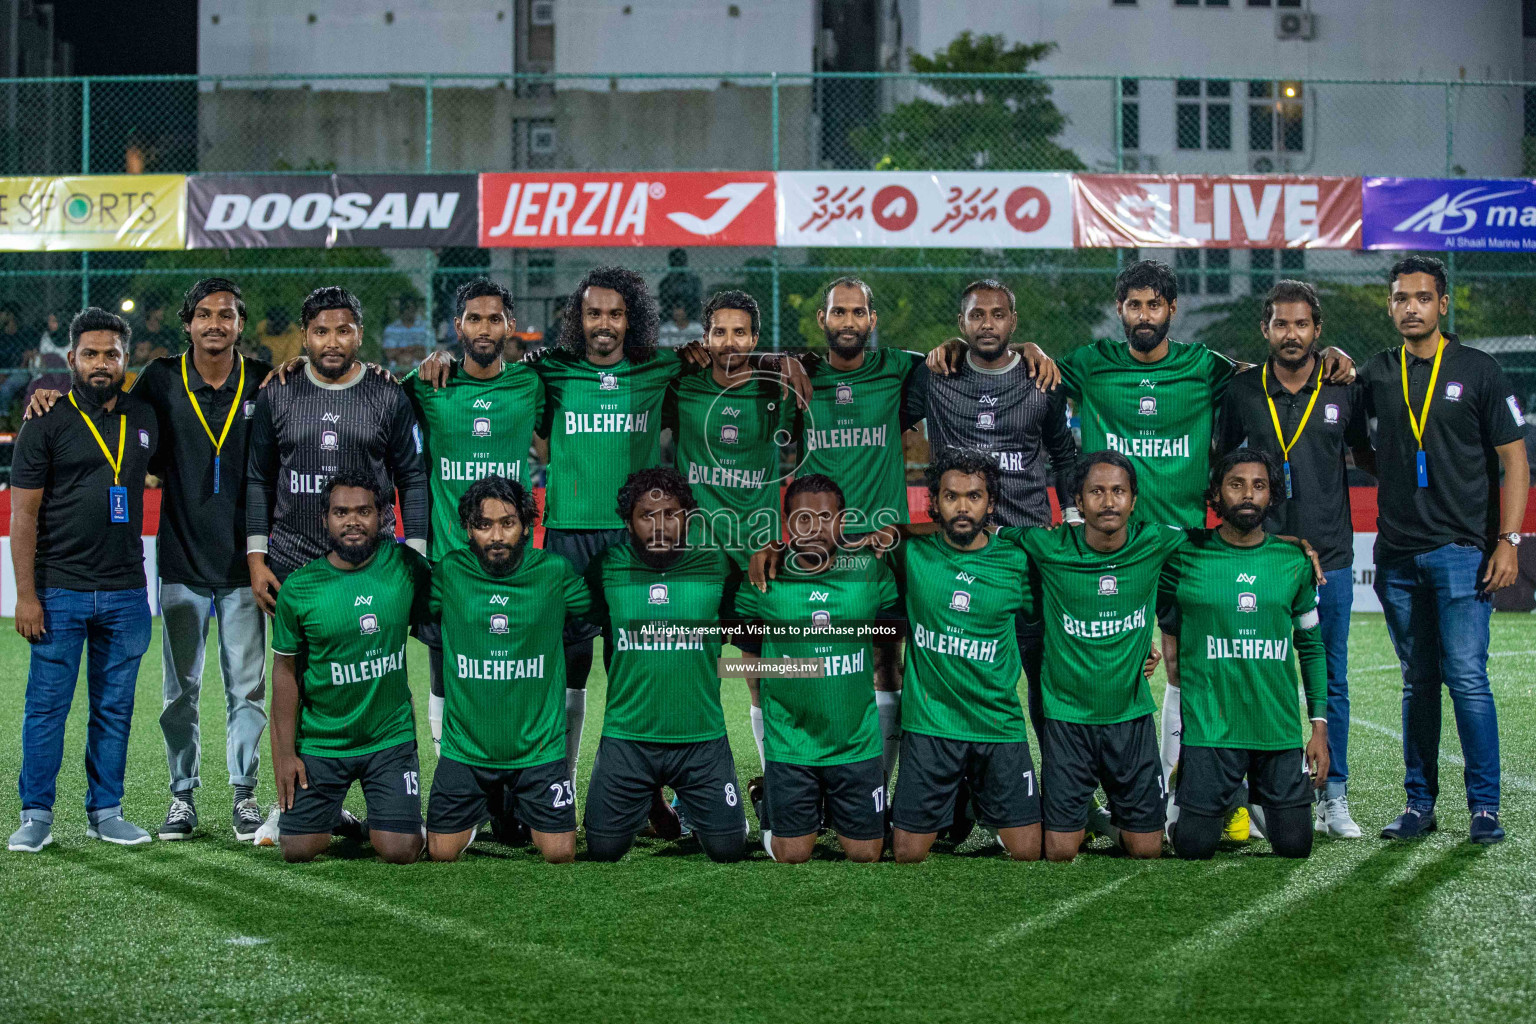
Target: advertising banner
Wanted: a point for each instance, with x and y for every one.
(940, 209)
(330, 211)
(1216, 211)
(93, 212)
(1489, 215)
(544, 209)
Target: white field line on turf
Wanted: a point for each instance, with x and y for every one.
(1397, 666)
(1512, 780)
(1061, 912)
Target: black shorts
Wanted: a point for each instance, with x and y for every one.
(1001, 776)
(854, 793)
(542, 796)
(1076, 759)
(1211, 779)
(626, 774)
(579, 547)
(391, 781)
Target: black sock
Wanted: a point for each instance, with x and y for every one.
(244, 793)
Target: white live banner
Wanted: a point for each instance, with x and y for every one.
(911, 210)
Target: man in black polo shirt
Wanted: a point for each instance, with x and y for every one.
(1308, 425)
(1447, 421)
(77, 513)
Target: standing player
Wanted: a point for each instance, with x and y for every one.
(962, 722)
(342, 621)
(333, 417)
(1249, 611)
(1308, 425)
(478, 424)
(501, 603)
(660, 602)
(822, 734)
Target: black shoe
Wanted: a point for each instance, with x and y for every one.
(1486, 829)
(509, 831)
(180, 820)
(1412, 824)
(246, 818)
(352, 827)
(757, 795)
(960, 829)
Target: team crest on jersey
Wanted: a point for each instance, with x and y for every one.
(607, 382)
(821, 617)
(1147, 406)
(498, 623)
(728, 433)
(1453, 391)
(482, 427)
(1247, 602)
(960, 601)
(1330, 413)
(1109, 586)
(845, 394)
(368, 623)
(659, 593)
(986, 419)
(143, 439)
(250, 409)
(328, 442)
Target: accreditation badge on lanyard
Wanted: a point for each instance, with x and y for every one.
(117, 494)
(1419, 423)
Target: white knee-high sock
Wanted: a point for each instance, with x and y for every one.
(435, 717)
(575, 716)
(1173, 730)
(757, 735)
(888, 706)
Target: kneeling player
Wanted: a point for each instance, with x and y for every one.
(1249, 606)
(344, 618)
(659, 601)
(961, 718)
(821, 736)
(503, 604)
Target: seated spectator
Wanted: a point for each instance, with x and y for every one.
(679, 330)
(280, 336)
(408, 340)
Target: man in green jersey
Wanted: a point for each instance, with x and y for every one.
(822, 732)
(501, 604)
(341, 701)
(479, 424)
(1095, 589)
(659, 600)
(962, 722)
(1248, 604)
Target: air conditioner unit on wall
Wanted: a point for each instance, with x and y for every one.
(1294, 25)
(541, 12)
(1146, 163)
(1263, 163)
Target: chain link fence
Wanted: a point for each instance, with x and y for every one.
(900, 121)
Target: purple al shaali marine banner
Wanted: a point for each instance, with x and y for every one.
(1460, 214)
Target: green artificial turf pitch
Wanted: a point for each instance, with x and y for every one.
(213, 930)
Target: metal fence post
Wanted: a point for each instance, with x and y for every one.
(1118, 99)
(773, 106)
(428, 145)
(1450, 157)
(85, 168)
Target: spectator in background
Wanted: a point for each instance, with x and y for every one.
(14, 357)
(408, 340)
(157, 336)
(680, 287)
(280, 336)
(679, 330)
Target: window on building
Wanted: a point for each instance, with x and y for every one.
(1218, 266)
(1287, 3)
(1276, 117)
(1186, 265)
(1122, 3)
(1262, 264)
(1202, 114)
(1130, 114)
(1258, 3)
(1186, 3)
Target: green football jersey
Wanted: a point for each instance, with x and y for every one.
(1098, 609)
(503, 657)
(663, 686)
(471, 429)
(1158, 415)
(852, 433)
(831, 720)
(347, 628)
(1247, 615)
(962, 675)
(603, 423)
(728, 446)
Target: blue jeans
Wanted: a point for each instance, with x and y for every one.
(1438, 621)
(113, 627)
(1334, 601)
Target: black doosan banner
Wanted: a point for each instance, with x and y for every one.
(331, 211)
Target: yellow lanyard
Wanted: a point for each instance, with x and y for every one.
(218, 443)
(1423, 419)
(1274, 415)
(122, 435)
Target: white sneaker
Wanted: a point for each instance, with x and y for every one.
(1334, 816)
(1320, 817)
(268, 833)
(768, 843)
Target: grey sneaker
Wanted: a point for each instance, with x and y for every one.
(180, 820)
(118, 830)
(1333, 815)
(247, 819)
(32, 836)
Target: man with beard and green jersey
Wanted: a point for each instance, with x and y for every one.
(501, 603)
(342, 621)
(479, 424)
(822, 741)
(659, 601)
(1249, 611)
(1095, 589)
(962, 723)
